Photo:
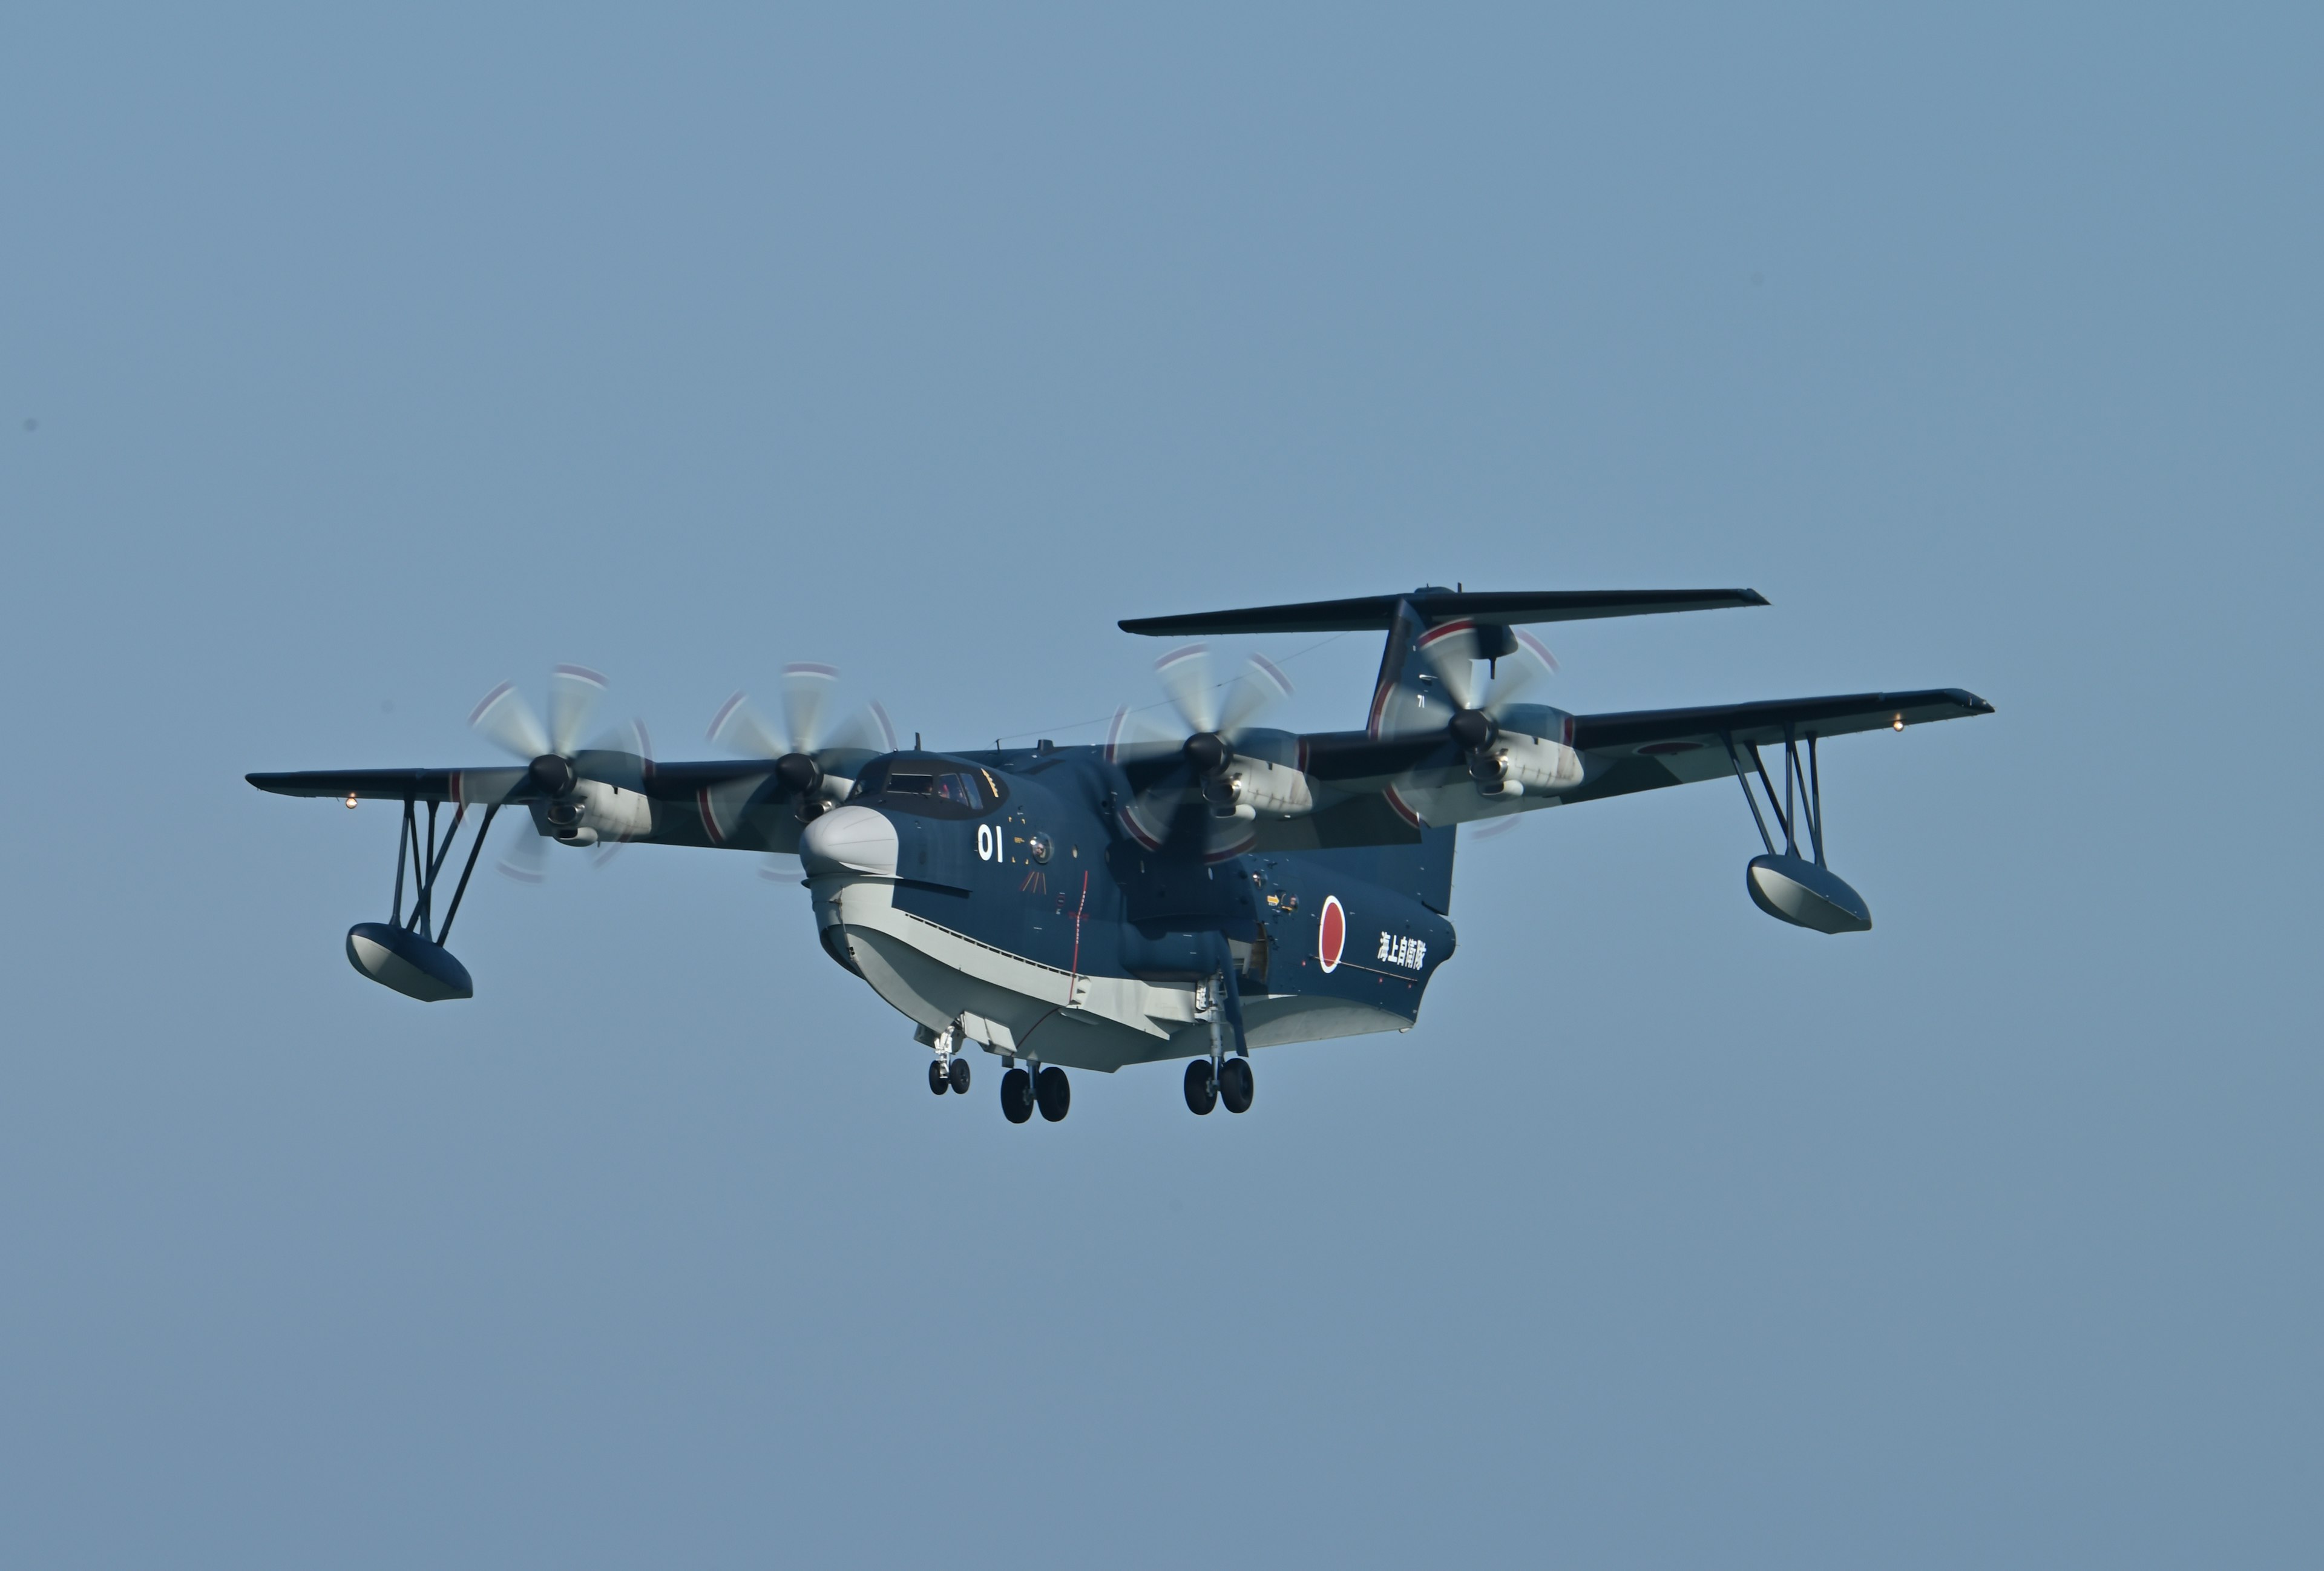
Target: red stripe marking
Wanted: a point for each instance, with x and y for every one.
(1379, 707)
(1073, 980)
(488, 701)
(725, 711)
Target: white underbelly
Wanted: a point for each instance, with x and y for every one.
(1013, 1005)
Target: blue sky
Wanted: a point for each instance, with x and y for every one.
(350, 365)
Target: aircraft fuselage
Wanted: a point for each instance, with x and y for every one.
(1011, 903)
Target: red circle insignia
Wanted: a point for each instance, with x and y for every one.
(1331, 935)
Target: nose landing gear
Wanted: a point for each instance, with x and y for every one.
(949, 1069)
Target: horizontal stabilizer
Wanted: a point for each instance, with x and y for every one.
(1439, 605)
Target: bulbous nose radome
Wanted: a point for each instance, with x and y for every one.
(849, 840)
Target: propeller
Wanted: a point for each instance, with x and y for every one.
(1174, 769)
(812, 758)
(1478, 709)
(556, 761)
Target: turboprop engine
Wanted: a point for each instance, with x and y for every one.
(1241, 771)
(1258, 788)
(1511, 748)
(1522, 751)
(592, 811)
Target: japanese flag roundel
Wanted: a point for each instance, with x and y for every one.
(1332, 933)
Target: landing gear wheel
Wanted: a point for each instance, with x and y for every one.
(1235, 1087)
(1016, 1096)
(1056, 1093)
(937, 1081)
(1202, 1091)
(958, 1079)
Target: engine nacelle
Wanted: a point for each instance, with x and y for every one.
(1532, 763)
(594, 811)
(1257, 788)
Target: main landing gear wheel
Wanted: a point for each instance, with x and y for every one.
(937, 1081)
(1016, 1096)
(1235, 1087)
(958, 1079)
(1056, 1093)
(1202, 1091)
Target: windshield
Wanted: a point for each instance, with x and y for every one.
(940, 787)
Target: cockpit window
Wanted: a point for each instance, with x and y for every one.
(932, 786)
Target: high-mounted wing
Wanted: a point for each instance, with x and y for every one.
(1635, 750)
(390, 785)
(1645, 749)
(663, 782)
(1767, 721)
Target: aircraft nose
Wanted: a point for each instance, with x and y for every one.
(849, 840)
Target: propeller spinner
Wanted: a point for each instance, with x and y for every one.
(1214, 716)
(810, 760)
(1450, 654)
(556, 761)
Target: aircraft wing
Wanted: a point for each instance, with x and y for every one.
(1765, 721)
(503, 782)
(1634, 751)
(1644, 749)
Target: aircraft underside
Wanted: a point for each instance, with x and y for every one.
(1015, 1008)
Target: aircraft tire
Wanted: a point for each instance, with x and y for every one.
(1016, 1096)
(958, 1080)
(1055, 1094)
(1202, 1091)
(1236, 1087)
(937, 1081)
